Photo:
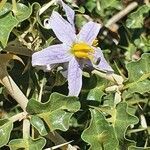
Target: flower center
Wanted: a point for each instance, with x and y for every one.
(82, 50)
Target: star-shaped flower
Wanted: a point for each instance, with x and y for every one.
(76, 49)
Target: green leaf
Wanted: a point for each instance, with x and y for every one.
(102, 7)
(56, 112)
(100, 135)
(110, 4)
(138, 74)
(133, 98)
(143, 43)
(109, 100)
(27, 144)
(7, 23)
(35, 9)
(38, 124)
(121, 120)
(5, 129)
(125, 144)
(90, 5)
(135, 19)
(80, 21)
(130, 51)
(23, 12)
(97, 92)
(5, 9)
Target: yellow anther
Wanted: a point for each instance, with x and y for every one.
(82, 50)
(95, 43)
(82, 47)
(81, 54)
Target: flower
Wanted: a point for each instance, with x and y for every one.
(77, 50)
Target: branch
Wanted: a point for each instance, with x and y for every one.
(59, 146)
(14, 5)
(8, 82)
(121, 14)
(46, 6)
(17, 117)
(14, 91)
(111, 77)
(59, 140)
(26, 129)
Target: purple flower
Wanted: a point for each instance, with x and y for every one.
(77, 50)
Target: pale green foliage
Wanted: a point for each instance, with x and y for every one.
(5, 129)
(108, 114)
(56, 112)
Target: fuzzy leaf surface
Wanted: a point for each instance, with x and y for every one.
(135, 19)
(39, 125)
(121, 120)
(27, 144)
(8, 21)
(56, 112)
(6, 127)
(139, 74)
(100, 135)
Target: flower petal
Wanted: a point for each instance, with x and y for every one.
(62, 29)
(89, 32)
(51, 55)
(102, 63)
(74, 77)
(69, 12)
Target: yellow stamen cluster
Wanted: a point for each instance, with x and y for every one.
(95, 43)
(82, 50)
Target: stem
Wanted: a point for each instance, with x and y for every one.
(146, 2)
(143, 77)
(26, 129)
(59, 146)
(111, 77)
(121, 14)
(41, 89)
(17, 117)
(14, 91)
(14, 5)
(45, 7)
(103, 75)
(58, 139)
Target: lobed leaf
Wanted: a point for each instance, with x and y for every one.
(110, 4)
(38, 124)
(135, 19)
(6, 127)
(118, 123)
(27, 144)
(138, 75)
(5, 8)
(56, 112)
(100, 135)
(97, 92)
(8, 21)
(143, 43)
(23, 12)
(121, 120)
